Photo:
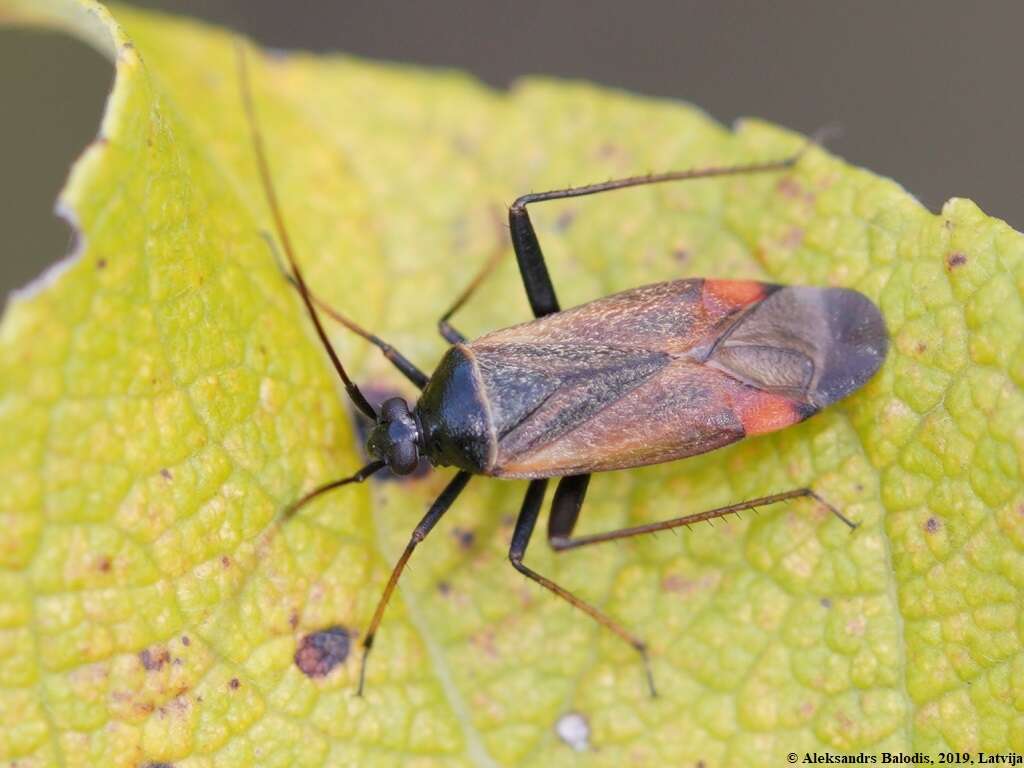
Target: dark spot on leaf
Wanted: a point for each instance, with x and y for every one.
(154, 660)
(465, 537)
(320, 652)
(185, 640)
(101, 264)
(233, 684)
(293, 619)
(607, 150)
(158, 765)
(680, 254)
(564, 220)
(444, 587)
(165, 473)
(932, 525)
(104, 564)
(225, 561)
(826, 602)
(955, 260)
(921, 347)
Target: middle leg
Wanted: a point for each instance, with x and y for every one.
(521, 539)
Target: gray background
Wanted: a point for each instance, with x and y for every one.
(928, 93)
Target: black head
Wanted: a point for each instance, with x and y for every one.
(394, 439)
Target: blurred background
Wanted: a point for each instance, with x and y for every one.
(927, 93)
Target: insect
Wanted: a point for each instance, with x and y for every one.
(649, 375)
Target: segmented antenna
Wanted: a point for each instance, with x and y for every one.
(270, 194)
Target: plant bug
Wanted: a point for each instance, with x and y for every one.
(648, 375)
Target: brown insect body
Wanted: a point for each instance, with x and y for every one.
(645, 376)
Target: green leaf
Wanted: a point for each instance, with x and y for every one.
(162, 397)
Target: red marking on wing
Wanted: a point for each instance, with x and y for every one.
(732, 294)
(761, 412)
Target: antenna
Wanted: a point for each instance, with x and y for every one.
(282, 232)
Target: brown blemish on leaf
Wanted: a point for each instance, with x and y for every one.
(158, 765)
(104, 563)
(932, 525)
(826, 602)
(153, 660)
(293, 619)
(101, 264)
(225, 561)
(485, 642)
(186, 640)
(444, 587)
(233, 684)
(320, 652)
(790, 188)
(955, 260)
(675, 583)
(794, 238)
(165, 473)
(921, 347)
(680, 254)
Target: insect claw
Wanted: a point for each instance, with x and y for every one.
(648, 672)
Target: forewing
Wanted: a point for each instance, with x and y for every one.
(536, 392)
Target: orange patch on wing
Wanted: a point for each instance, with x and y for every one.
(761, 412)
(734, 294)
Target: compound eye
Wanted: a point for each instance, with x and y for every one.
(404, 458)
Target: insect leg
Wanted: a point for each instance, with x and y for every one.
(565, 508)
(536, 279)
(451, 335)
(521, 539)
(400, 361)
(569, 497)
(436, 511)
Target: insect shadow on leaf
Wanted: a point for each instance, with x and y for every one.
(649, 375)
